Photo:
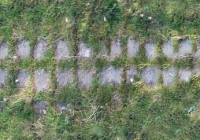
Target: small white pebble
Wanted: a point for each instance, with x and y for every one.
(14, 57)
(16, 81)
(87, 4)
(44, 111)
(66, 20)
(4, 99)
(104, 18)
(63, 108)
(141, 15)
(101, 107)
(149, 18)
(131, 80)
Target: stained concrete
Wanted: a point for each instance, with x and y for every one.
(3, 51)
(85, 78)
(151, 51)
(185, 48)
(169, 76)
(65, 77)
(132, 47)
(42, 80)
(3, 77)
(111, 75)
(168, 50)
(184, 75)
(84, 50)
(23, 79)
(23, 49)
(130, 74)
(150, 76)
(62, 50)
(115, 49)
(40, 50)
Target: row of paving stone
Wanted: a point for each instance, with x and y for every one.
(63, 50)
(110, 75)
(149, 76)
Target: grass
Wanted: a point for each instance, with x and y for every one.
(127, 111)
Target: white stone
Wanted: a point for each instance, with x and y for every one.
(150, 76)
(130, 74)
(168, 49)
(185, 48)
(3, 51)
(40, 50)
(133, 47)
(184, 75)
(151, 51)
(169, 76)
(111, 75)
(84, 50)
(62, 50)
(115, 49)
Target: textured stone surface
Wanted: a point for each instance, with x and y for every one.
(185, 48)
(3, 51)
(62, 50)
(115, 49)
(184, 75)
(40, 50)
(130, 74)
(169, 76)
(23, 79)
(103, 51)
(3, 77)
(42, 80)
(111, 75)
(84, 50)
(150, 76)
(40, 107)
(23, 49)
(85, 78)
(168, 49)
(60, 107)
(196, 71)
(151, 51)
(133, 47)
(197, 53)
(65, 77)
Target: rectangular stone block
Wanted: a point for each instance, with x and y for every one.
(133, 47)
(185, 48)
(3, 77)
(184, 75)
(151, 51)
(23, 49)
(22, 79)
(111, 75)
(42, 80)
(168, 50)
(62, 50)
(115, 49)
(84, 51)
(65, 77)
(85, 78)
(130, 74)
(3, 51)
(169, 76)
(40, 50)
(150, 76)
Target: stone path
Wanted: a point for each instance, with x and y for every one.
(149, 75)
